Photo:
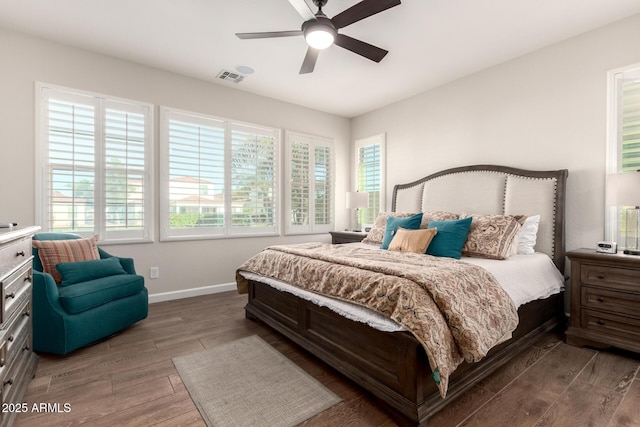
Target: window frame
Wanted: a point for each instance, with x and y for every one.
(613, 214)
(379, 139)
(227, 230)
(100, 102)
(314, 141)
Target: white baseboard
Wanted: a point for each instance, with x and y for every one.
(194, 292)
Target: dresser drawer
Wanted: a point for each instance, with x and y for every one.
(14, 254)
(624, 279)
(15, 289)
(612, 301)
(12, 375)
(611, 324)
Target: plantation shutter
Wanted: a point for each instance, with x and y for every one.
(323, 184)
(299, 185)
(70, 163)
(630, 126)
(125, 170)
(196, 180)
(369, 181)
(94, 173)
(309, 184)
(253, 179)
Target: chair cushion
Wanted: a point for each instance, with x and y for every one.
(84, 271)
(83, 296)
(53, 252)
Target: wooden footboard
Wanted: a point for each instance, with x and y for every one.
(392, 366)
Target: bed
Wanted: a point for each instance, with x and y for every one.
(393, 366)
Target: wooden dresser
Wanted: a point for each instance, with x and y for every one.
(18, 362)
(605, 300)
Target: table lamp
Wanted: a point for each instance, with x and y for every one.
(357, 200)
(623, 189)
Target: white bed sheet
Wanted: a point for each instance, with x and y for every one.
(525, 278)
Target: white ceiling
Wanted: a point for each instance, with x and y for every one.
(430, 42)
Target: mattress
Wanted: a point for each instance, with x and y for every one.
(524, 278)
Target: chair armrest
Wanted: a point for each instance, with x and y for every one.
(126, 263)
(45, 290)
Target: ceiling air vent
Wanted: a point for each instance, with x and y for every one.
(230, 76)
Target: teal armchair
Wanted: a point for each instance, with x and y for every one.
(66, 318)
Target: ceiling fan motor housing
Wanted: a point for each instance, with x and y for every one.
(320, 23)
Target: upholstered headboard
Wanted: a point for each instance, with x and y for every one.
(490, 189)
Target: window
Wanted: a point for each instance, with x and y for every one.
(309, 184)
(370, 175)
(95, 171)
(623, 141)
(218, 178)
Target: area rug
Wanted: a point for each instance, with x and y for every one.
(249, 383)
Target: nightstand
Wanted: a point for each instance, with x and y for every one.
(605, 300)
(340, 237)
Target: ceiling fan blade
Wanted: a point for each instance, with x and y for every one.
(309, 62)
(303, 9)
(367, 50)
(269, 34)
(362, 10)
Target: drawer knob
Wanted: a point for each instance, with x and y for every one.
(600, 276)
(11, 338)
(600, 322)
(27, 279)
(26, 348)
(1, 361)
(21, 253)
(600, 299)
(8, 382)
(26, 313)
(11, 295)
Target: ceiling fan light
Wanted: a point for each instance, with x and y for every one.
(319, 38)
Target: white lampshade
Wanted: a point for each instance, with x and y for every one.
(356, 200)
(623, 189)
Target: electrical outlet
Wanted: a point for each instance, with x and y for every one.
(154, 272)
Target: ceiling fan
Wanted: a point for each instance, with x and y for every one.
(321, 32)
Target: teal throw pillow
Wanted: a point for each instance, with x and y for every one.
(83, 271)
(409, 223)
(450, 238)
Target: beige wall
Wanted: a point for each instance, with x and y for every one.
(544, 110)
(183, 265)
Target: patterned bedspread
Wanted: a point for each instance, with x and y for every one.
(456, 310)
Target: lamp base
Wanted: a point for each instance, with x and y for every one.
(631, 252)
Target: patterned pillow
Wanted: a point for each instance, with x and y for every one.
(52, 252)
(491, 236)
(415, 241)
(428, 216)
(376, 234)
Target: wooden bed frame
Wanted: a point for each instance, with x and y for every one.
(393, 366)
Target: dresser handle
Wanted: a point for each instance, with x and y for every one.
(26, 313)
(11, 295)
(8, 382)
(27, 279)
(26, 348)
(11, 338)
(1, 361)
(21, 253)
(600, 322)
(600, 276)
(600, 299)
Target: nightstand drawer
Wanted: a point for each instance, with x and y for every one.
(611, 324)
(606, 300)
(624, 279)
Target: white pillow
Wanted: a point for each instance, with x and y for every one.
(527, 236)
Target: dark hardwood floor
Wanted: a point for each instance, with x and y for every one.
(130, 378)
